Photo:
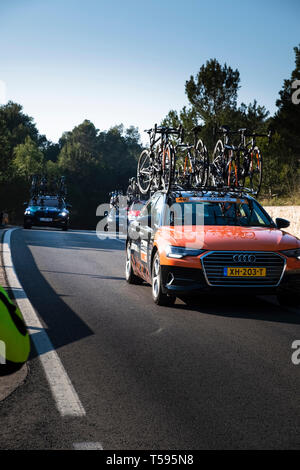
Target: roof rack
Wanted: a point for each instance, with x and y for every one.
(238, 191)
(41, 187)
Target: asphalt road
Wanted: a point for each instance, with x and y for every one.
(214, 375)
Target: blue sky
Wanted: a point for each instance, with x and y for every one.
(127, 61)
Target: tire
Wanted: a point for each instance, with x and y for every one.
(202, 167)
(168, 169)
(158, 296)
(130, 277)
(253, 178)
(233, 173)
(218, 165)
(289, 300)
(144, 172)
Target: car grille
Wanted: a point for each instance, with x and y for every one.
(47, 213)
(214, 263)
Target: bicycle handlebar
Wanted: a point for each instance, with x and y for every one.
(165, 130)
(224, 130)
(244, 132)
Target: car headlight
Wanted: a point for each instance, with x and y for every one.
(27, 212)
(63, 214)
(181, 251)
(292, 253)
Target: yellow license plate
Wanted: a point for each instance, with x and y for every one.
(244, 271)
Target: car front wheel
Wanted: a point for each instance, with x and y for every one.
(158, 296)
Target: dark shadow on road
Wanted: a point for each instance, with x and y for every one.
(62, 324)
(248, 307)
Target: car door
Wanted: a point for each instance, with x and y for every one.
(134, 236)
(148, 232)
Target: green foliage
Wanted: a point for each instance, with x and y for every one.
(213, 99)
(93, 162)
(28, 159)
(213, 90)
(287, 119)
(15, 126)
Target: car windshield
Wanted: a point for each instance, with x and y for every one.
(245, 213)
(46, 202)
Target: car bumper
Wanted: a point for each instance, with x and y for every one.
(55, 222)
(177, 280)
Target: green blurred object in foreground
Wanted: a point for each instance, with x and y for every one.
(14, 338)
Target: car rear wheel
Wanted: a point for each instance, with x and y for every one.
(130, 277)
(157, 294)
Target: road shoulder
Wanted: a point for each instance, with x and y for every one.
(9, 383)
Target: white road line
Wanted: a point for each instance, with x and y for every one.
(65, 396)
(87, 446)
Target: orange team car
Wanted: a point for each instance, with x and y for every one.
(191, 242)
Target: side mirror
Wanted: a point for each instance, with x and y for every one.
(282, 223)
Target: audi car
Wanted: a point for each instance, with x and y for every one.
(47, 211)
(193, 242)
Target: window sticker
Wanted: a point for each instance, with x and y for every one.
(211, 199)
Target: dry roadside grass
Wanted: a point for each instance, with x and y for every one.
(291, 213)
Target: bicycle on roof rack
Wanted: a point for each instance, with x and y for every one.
(132, 189)
(251, 165)
(195, 167)
(237, 165)
(156, 165)
(40, 186)
(62, 190)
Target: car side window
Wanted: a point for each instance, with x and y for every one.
(157, 209)
(148, 207)
(146, 210)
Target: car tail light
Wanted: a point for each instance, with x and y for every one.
(134, 213)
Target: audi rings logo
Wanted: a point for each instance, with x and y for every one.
(244, 258)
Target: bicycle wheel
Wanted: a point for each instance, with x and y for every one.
(202, 164)
(144, 172)
(233, 176)
(217, 167)
(168, 168)
(253, 176)
(179, 174)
